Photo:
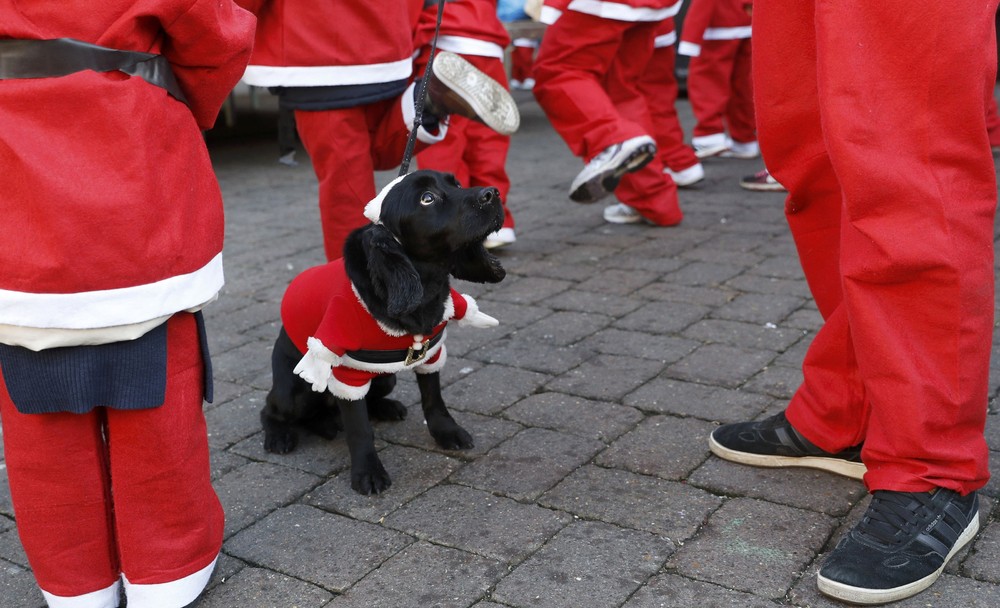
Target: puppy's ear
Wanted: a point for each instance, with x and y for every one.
(394, 278)
(473, 263)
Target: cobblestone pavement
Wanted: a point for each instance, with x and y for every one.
(590, 484)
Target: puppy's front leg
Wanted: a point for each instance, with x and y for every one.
(368, 476)
(443, 428)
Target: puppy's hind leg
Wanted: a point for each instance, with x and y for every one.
(443, 428)
(380, 407)
(368, 476)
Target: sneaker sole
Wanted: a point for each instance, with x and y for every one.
(711, 151)
(763, 187)
(858, 595)
(490, 101)
(595, 189)
(854, 470)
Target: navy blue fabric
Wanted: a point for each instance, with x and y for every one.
(341, 96)
(129, 375)
(205, 356)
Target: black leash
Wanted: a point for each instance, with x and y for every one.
(421, 96)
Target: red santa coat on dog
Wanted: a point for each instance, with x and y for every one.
(325, 318)
(112, 225)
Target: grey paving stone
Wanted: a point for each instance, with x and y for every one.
(781, 266)
(663, 349)
(672, 591)
(529, 463)
(263, 588)
(757, 280)
(18, 587)
(754, 546)
(758, 336)
(478, 522)
(223, 462)
(981, 563)
(424, 575)
(412, 472)
(593, 419)
(808, 319)
(721, 365)
(616, 281)
(590, 564)
(667, 396)
(663, 446)
(527, 351)
(705, 274)
(235, 420)
(663, 317)
(779, 381)
(11, 549)
(669, 509)
(670, 291)
(492, 389)
(252, 491)
(606, 304)
(486, 431)
(6, 507)
(710, 252)
(327, 550)
(606, 377)
(313, 454)
(566, 327)
(796, 487)
(531, 290)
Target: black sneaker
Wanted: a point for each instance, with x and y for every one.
(601, 175)
(773, 442)
(900, 547)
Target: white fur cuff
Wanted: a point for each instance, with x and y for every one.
(474, 317)
(316, 366)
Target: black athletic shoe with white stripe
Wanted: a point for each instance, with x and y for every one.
(602, 174)
(900, 547)
(773, 442)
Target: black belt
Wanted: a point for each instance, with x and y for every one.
(407, 356)
(65, 56)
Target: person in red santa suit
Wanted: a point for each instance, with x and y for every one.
(475, 153)
(346, 68)
(892, 198)
(658, 85)
(113, 239)
(522, 61)
(599, 111)
(716, 35)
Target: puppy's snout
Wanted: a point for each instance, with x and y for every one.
(489, 195)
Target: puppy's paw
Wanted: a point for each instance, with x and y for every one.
(370, 477)
(328, 425)
(386, 409)
(452, 437)
(280, 441)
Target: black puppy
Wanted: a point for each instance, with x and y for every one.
(349, 325)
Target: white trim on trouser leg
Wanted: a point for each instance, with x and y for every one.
(103, 598)
(174, 594)
(409, 110)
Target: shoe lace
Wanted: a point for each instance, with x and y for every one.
(892, 517)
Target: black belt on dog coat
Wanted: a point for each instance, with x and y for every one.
(407, 356)
(65, 56)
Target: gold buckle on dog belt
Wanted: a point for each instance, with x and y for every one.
(20, 58)
(407, 356)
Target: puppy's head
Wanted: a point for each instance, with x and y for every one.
(437, 221)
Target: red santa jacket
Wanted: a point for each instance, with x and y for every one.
(324, 317)
(302, 43)
(713, 20)
(618, 10)
(110, 211)
(468, 27)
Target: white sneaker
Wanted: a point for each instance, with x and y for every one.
(601, 175)
(515, 85)
(504, 236)
(761, 182)
(687, 177)
(706, 146)
(528, 84)
(748, 150)
(620, 213)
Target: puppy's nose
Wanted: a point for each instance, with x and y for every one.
(489, 195)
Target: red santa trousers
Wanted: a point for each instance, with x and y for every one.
(522, 57)
(119, 492)
(346, 147)
(720, 90)
(475, 153)
(593, 106)
(891, 202)
(659, 86)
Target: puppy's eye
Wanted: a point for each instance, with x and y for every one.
(427, 198)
